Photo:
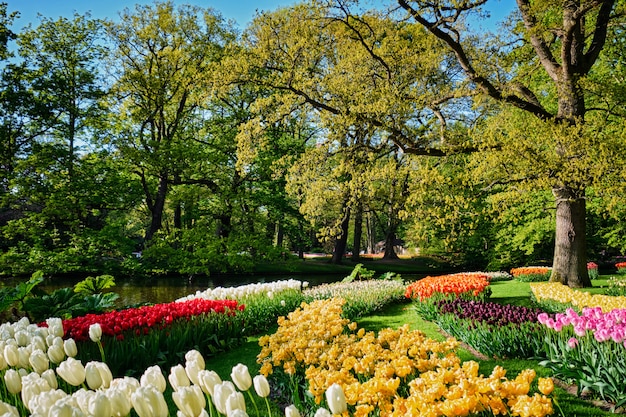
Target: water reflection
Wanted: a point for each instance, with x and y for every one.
(167, 289)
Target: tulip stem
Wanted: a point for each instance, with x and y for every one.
(267, 403)
(253, 402)
(101, 351)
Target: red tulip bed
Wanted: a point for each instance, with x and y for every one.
(166, 330)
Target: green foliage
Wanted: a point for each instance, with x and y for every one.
(93, 285)
(16, 296)
(359, 273)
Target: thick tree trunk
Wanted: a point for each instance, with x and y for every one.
(342, 239)
(570, 251)
(156, 209)
(390, 252)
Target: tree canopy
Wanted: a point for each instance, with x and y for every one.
(325, 124)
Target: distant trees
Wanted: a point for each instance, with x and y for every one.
(170, 133)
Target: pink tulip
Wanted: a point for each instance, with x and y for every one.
(572, 342)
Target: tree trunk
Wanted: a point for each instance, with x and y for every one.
(570, 251)
(342, 239)
(390, 252)
(358, 233)
(156, 210)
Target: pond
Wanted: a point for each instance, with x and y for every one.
(136, 291)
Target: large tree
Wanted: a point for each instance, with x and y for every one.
(430, 83)
(164, 57)
(564, 40)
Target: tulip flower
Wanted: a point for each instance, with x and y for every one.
(39, 361)
(95, 332)
(291, 411)
(3, 362)
(24, 357)
(42, 403)
(322, 412)
(22, 338)
(189, 400)
(83, 397)
(120, 402)
(69, 346)
(13, 381)
(208, 380)
(241, 377)
(221, 392)
(56, 354)
(235, 401)
(154, 376)
(261, 386)
(100, 405)
(149, 402)
(194, 355)
(72, 371)
(51, 378)
(33, 385)
(11, 355)
(178, 377)
(192, 367)
(336, 399)
(65, 409)
(55, 326)
(8, 410)
(98, 375)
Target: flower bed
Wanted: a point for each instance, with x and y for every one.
(160, 331)
(590, 350)
(495, 330)
(531, 273)
(362, 297)
(621, 267)
(557, 292)
(394, 372)
(455, 284)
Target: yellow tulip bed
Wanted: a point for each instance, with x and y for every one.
(396, 372)
(554, 291)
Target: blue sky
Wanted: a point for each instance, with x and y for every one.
(242, 11)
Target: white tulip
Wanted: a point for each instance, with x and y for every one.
(261, 386)
(69, 345)
(208, 380)
(95, 332)
(72, 371)
(221, 392)
(241, 377)
(235, 401)
(149, 402)
(100, 405)
(292, 411)
(154, 376)
(51, 378)
(178, 377)
(120, 402)
(56, 354)
(39, 361)
(189, 400)
(13, 381)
